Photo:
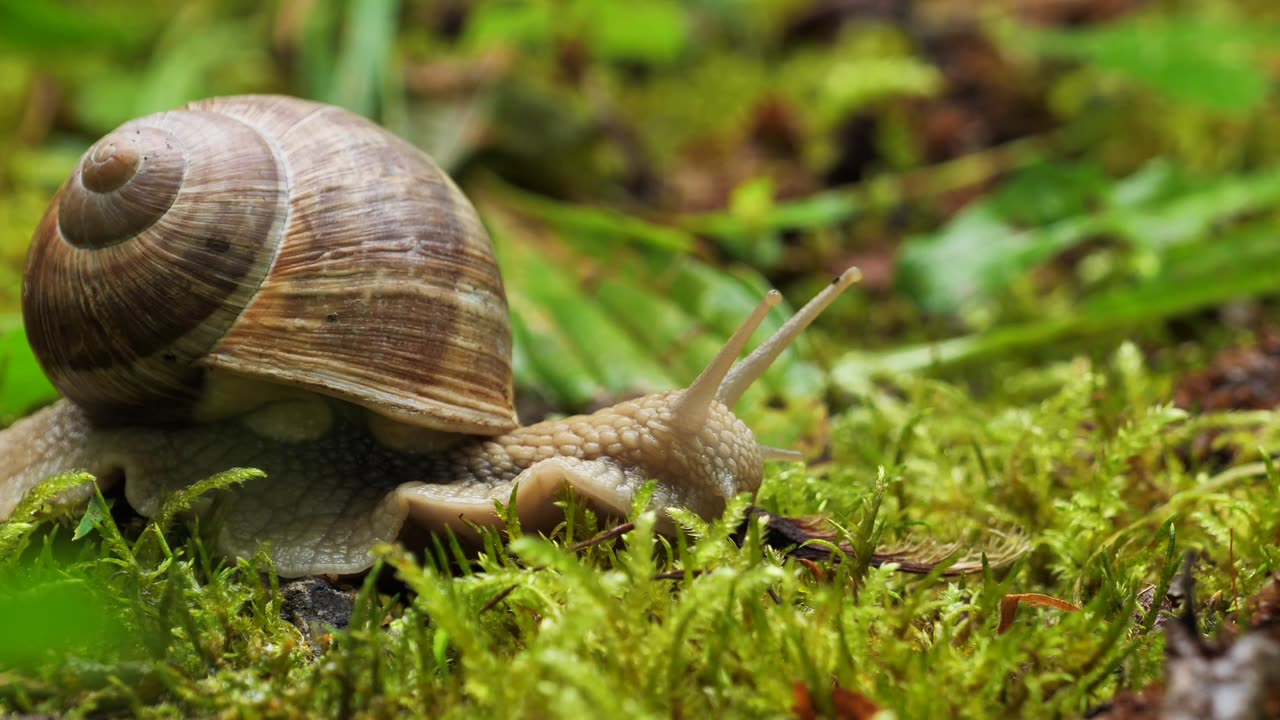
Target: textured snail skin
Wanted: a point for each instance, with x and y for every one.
(334, 490)
(326, 501)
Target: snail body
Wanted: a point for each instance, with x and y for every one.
(350, 339)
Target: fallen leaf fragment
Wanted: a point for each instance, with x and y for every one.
(847, 704)
(1009, 607)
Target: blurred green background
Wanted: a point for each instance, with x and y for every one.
(1015, 178)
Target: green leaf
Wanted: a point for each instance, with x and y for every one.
(1047, 192)
(362, 66)
(978, 254)
(644, 31)
(45, 168)
(851, 85)
(95, 514)
(974, 256)
(660, 324)
(820, 210)
(49, 615)
(23, 384)
(508, 24)
(572, 332)
(596, 230)
(1193, 59)
(1243, 263)
(547, 360)
(317, 49)
(584, 330)
(752, 203)
(194, 59)
(191, 69)
(51, 28)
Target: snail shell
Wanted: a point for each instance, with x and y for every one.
(269, 240)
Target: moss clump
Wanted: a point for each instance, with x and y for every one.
(1082, 462)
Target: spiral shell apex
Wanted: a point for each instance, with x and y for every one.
(123, 185)
(272, 239)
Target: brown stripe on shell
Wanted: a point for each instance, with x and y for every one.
(385, 291)
(120, 326)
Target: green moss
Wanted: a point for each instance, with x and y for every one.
(1081, 463)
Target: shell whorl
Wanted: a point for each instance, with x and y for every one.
(127, 287)
(125, 183)
(270, 239)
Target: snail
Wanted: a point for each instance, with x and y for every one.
(268, 282)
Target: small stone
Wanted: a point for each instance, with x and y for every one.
(317, 608)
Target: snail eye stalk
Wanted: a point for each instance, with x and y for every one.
(725, 382)
(690, 411)
(750, 369)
